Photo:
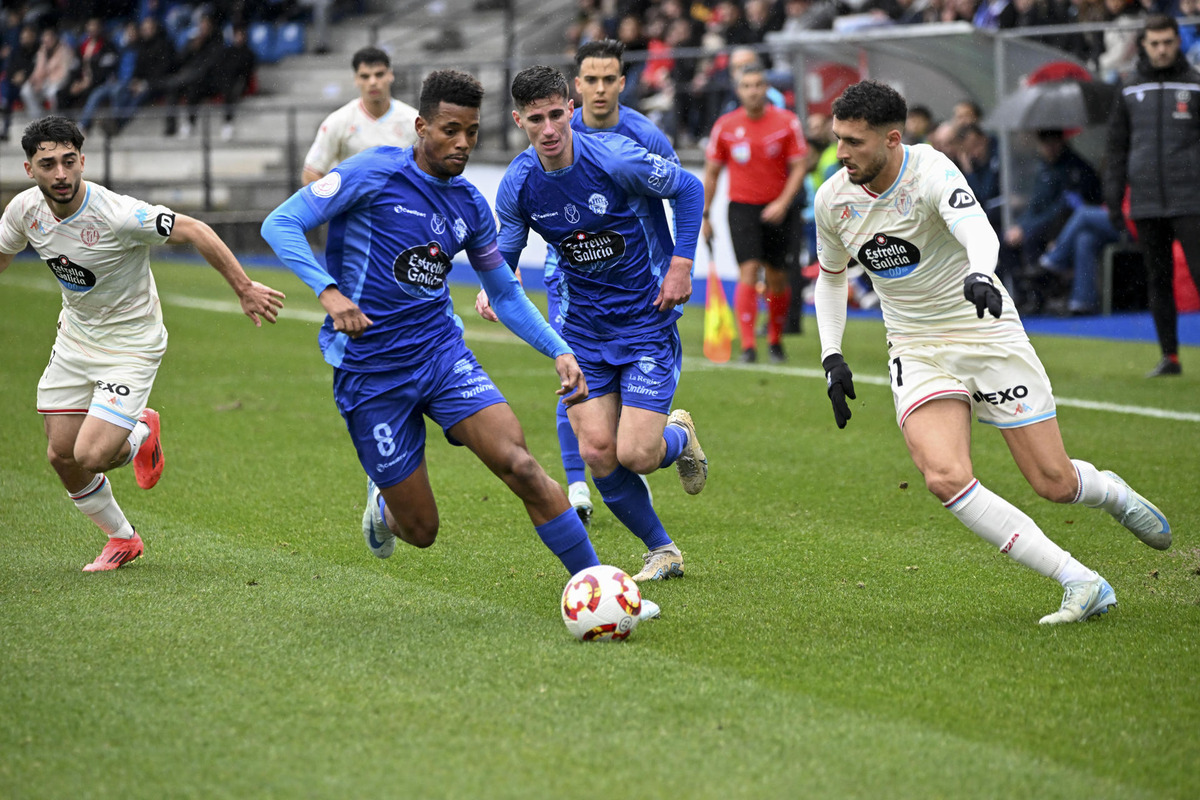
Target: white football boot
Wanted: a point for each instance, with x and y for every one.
(1082, 599)
(380, 541)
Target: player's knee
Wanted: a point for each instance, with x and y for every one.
(92, 458)
(1057, 487)
(598, 455)
(525, 469)
(945, 484)
(419, 532)
(642, 460)
(58, 458)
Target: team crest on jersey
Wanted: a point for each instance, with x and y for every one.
(571, 213)
(647, 365)
(598, 204)
(889, 256)
(327, 186)
(90, 235)
(904, 204)
(438, 223)
(1181, 104)
(460, 229)
(422, 270)
(71, 275)
(740, 152)
(584, 249)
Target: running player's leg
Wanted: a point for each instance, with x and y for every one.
(1039, 453)
(746, 232)
(494, 434)
(568, 444)
(778, 288)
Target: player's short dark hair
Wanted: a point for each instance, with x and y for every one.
(370, 55)
(538, 83)
(449, 86)
(58, 130)
(876, 103)
(1159, 22)
(600, 48)
(752, 69)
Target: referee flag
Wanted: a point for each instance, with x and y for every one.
(718, 318)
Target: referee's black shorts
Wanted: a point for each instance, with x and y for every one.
(755, 240)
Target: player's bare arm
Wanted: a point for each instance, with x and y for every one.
(712, 171)
(776, 211)
(258, 300)
(676, 287)
(308, 175)
(347, 317)
(574, 387)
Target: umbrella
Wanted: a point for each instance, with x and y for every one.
(1057, 105)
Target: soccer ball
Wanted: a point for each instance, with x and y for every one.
(601, 604)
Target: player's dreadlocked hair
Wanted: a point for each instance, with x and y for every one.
(449, 86)
(600, 48)
(538, 83)
(58, 130)
(876, 103)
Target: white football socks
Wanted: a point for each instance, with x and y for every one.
(136, 438)
(1097, 490)
(999, 522)
(96, 500)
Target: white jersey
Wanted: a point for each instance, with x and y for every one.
(352, 129)
(101, 258)
(904, 238)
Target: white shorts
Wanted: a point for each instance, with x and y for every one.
(113, 385)
(1005, 384)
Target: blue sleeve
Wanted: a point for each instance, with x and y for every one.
(644, 173)
(284, 229)
(514, 231)
(484, 233)
(520, 315)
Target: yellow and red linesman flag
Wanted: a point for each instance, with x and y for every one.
(718, 318)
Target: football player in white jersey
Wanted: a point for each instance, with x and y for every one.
(94, 391)
(956, 346)
(375, 118)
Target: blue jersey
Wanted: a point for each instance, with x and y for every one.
(604, 217)
(634, 125)
(393, 231)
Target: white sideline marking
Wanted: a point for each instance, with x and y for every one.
(693, 364)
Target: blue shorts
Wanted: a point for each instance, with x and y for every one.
(384, 410)
(646, 373)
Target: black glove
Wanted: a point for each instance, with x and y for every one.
(978, 289)
(840, 381)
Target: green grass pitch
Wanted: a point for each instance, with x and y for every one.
(837, 635)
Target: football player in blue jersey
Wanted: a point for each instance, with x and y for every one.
(600, 81)
(396, 219)
(597, 199)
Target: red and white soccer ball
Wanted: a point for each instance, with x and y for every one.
(601, 604)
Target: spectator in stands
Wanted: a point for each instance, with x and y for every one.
(156, 64)
(979, 161)
(1086, 47)
(236, 76)
(1120, 46)
(809, 15)
(97, 61)
(117, 81)
(199, 76)
(1037, 13)
(1063, 180)
(1076, 252)
(374, 118)
(918, 124)
(51, 70)
(629, 33)
(995, 15)
(16, 69)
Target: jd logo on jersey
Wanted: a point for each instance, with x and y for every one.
(71, 275)
(164, 224)
(586, 249)
(889, 256)
(423, 267)
(962, 199)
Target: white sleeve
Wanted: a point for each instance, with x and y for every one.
(323, 155)
(829, 295)
(12, 232)
(978, 238)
